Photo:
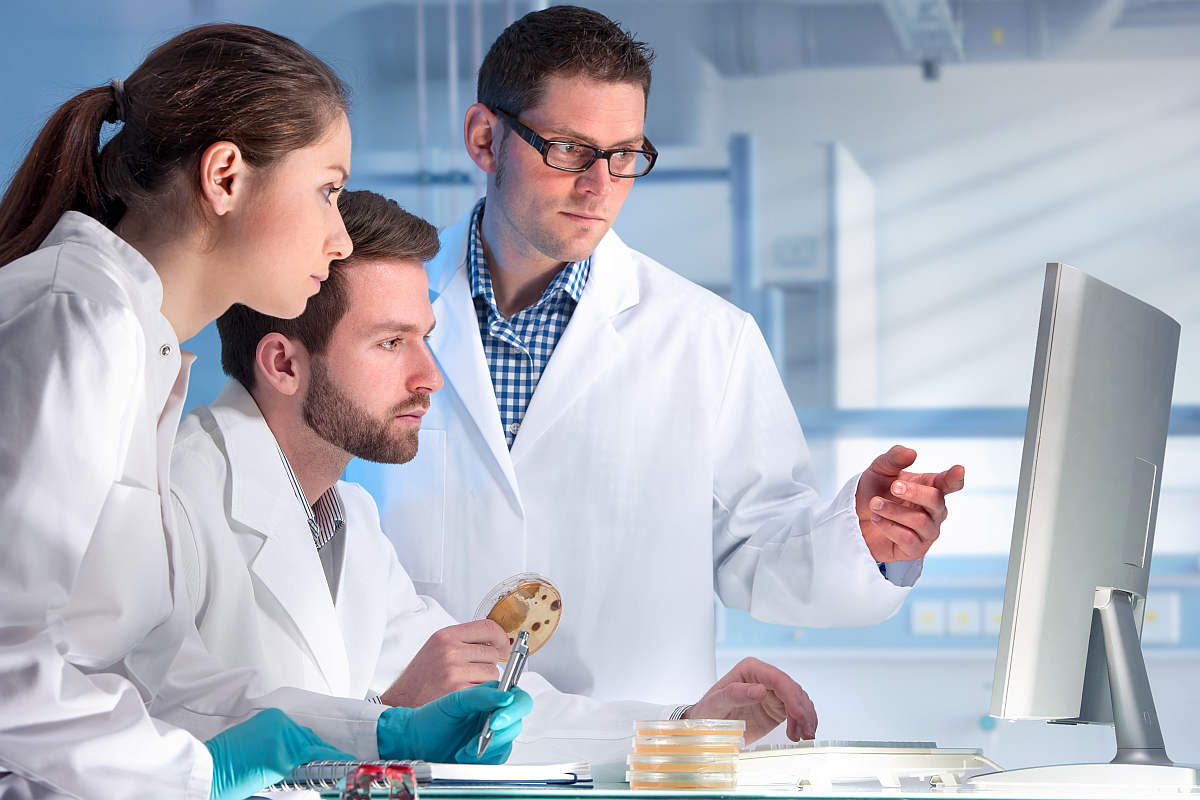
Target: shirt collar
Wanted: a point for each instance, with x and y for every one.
(570, 280)
(327, 517)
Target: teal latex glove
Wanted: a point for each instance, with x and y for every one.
(259, 752)
(447, 730)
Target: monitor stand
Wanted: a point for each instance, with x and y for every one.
(1141, 760)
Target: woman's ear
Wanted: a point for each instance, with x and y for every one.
(482, 134)
(223, 175)
(280, 364)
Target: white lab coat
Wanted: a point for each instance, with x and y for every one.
(659, 457)
(255, 579)
(262, 599)
(93, 627)
(91, 385)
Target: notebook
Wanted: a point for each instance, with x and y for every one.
(328, 774)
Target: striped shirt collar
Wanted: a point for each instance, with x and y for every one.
(570, 280)
(327, 517)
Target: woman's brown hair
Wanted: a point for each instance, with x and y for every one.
(236, 83)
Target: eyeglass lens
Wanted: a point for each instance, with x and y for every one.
(621, 163)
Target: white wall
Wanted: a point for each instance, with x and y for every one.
(982, 177)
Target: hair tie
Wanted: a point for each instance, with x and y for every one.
(117, 112)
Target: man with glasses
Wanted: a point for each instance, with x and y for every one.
(611, 425)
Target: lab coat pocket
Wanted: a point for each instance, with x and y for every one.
(123, 589)
(417, 525)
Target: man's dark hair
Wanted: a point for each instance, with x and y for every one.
(380, 231)
(560, 41)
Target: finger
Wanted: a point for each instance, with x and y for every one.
(482, 631)
(494, 754)
(722, 700)
(918, 520)
(484, 697)
(802, 721)
(908, 545)
(473, 674)
(502, 736)
(926, 497)
(478, 653)
(739, 695)
(801, 715)
(797, 730)
(521, 705)
(891, 463)
(952, 480)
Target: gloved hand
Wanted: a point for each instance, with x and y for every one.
(447, 730)
(256, 753)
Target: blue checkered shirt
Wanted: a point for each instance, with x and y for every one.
(518, 349)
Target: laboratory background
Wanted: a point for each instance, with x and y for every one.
(880, 182)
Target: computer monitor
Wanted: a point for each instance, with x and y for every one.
(1079, 563)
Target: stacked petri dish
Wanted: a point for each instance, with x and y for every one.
(685, 754)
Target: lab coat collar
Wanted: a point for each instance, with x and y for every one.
(588, 347)
(260, 495)
(614, 291)
(75, 227)
(458, 349)
(141, 284)
(590, 339)
(262, 499)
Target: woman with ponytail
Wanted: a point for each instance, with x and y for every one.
(219, 187)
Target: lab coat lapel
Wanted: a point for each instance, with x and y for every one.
(456, 344)
(363, 615)
(589, 345)
(287, 563)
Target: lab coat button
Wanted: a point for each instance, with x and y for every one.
(165, 350)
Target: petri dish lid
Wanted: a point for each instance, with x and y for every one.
(690, 727)
(527, 601)
(682, 780)
(698, 745)
(707, 762)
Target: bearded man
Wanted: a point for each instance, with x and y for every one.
(286, 566)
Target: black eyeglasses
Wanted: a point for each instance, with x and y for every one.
(576, 157)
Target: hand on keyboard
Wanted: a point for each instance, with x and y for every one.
(763, 696)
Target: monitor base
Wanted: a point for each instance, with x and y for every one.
(1090, 778)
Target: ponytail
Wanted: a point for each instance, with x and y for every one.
(57, 176)
(236, 83)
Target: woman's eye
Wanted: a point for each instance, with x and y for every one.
(331, 191)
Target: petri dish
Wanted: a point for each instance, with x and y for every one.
(527, 601)
(690, 727)
(687, 745)
(643, 762)
(639, 779)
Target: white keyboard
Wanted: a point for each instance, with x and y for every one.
(822, 763)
